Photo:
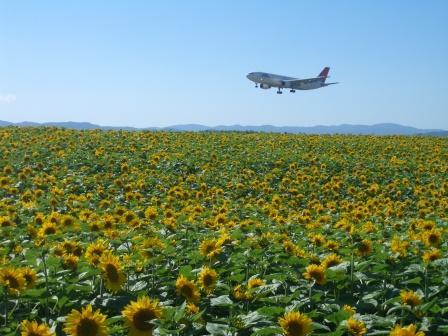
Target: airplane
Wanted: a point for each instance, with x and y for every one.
(267, 80)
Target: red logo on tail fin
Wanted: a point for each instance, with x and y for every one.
(324, 72)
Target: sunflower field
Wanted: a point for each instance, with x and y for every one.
(166, 233)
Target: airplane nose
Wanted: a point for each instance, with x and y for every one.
(249, 76)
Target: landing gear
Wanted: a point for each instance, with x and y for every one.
(256, 85)
(292, 90)
(279, 91)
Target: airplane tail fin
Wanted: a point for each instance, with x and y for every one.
(324, 72)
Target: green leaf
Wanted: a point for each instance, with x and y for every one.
(267, 331)
(271, 311)
(35, 292)
(185, 271)
(180, 312)
(251, 318)
(217, 329)
(415, 281)
(221, 301)
(318, 326)
(338, 317)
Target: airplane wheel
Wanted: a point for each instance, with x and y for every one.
(292, 91)
(279, 92)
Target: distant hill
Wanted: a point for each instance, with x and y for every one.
(437, 133)
(377, 129)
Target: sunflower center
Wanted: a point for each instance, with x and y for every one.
(141, 319)
(112, 273)
(32, 333)
(28, 278)
(13, 282)
(332, 262)
(87, 327)
(295, 329)
(208, 280)
(6, 223)
(433, 238)
(363, 248)
(97, 251)
(68, 222)
(50, 230)
(186, 291)
(316, 275)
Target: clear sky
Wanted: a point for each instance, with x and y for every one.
(159, 63)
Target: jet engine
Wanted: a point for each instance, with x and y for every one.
(265, 86)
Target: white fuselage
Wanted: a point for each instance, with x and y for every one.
(267, 80)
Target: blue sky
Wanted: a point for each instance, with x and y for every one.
(147, 63)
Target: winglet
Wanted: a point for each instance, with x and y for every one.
(324, 72)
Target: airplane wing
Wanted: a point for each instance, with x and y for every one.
(298, 83)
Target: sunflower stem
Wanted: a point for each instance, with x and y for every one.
(426, 282)
(101, 287)
(310, 291)
(153, 278)
(334, 290)
(352, 263)
(5, 301)
(47, 292)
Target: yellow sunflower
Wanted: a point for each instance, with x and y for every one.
(399, 246)
(95, 250)
(30, 276)
(187, 289)
(192, 308)
(255, 282)
(431, 255)
(86, 323)
(151, 213)
(67, 220)
(112, 272)
(207, 279)
(70, 261)
(151, 246)
(239, 293)
(331, 260)
(12, 278)
(48, 228)
(5, 221)
(365, 247)
(410, 298)
(432, 237)
(295, 324)
(290, 247)
(356, 327)
(35, 329)
(349, 309)
(138, 315)
(410, 330)
(210, 248)
(316, 273)
(71, 246)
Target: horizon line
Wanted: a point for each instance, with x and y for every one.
(219, 125)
